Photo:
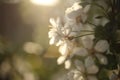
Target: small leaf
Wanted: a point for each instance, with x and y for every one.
(102, 75)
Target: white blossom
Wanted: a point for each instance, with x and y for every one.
(100, 46)
(75, 29)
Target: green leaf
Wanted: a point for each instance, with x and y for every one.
(99, 33)
(112, 62)
(102, 75)
(115, 47)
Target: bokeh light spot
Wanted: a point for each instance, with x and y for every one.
(45, 2)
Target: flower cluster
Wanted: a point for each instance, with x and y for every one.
(63, 34)
(82, 45)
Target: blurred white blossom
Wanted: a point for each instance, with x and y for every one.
(21, 65)
(33, 48)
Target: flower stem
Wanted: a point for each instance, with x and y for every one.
(84, 35)
(91, 23)
(83, 31)
(86, 31)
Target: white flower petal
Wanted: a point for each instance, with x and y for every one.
(73, 14)
(61, 60)
(63, 49)
(89, 61)
(86, 9)
(60, 42)
(70, 21)
(90, 65)
(67, 31)
(77, 27)
(52, 21)
(87, 42)
(102, 59)
(73, 11)
(58, 21)
(93, 69)
(76, 6)
(81, 78)
(67, 64)
(52, 41)
(77, 74)
(84, 17)
(79, 65)
(80, 51)
(102, 46)
(52, 32)
(92, 78)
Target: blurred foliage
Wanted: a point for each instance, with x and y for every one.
(24, 50)
(16, 64)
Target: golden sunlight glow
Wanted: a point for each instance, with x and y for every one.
(45, 2)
